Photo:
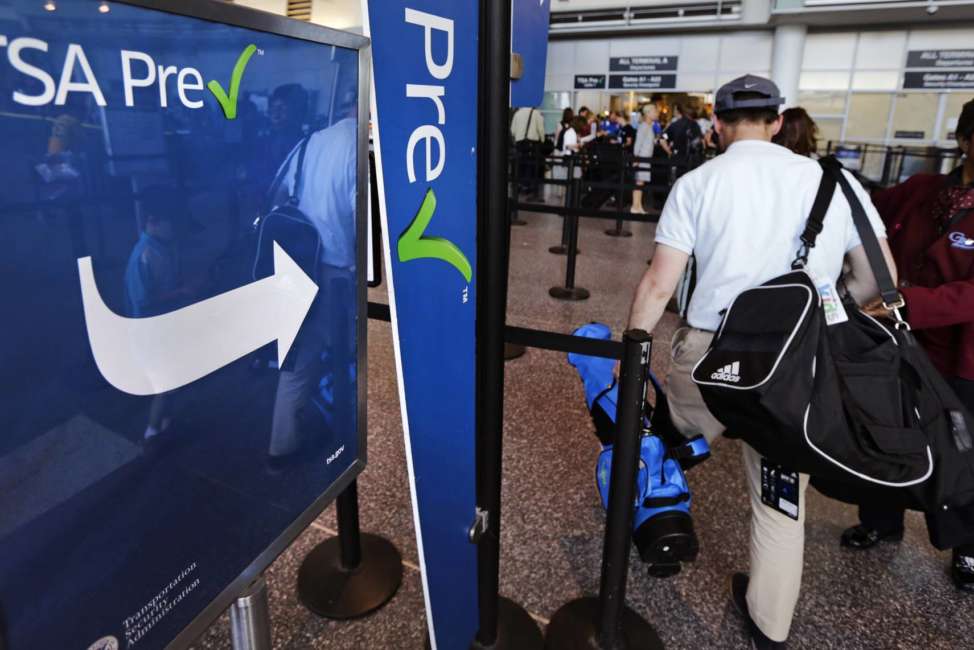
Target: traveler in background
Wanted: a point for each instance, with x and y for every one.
(567, 117)
(590, 131)
(741, 215)
(643, 148)
(798, 132)
(527, 130)
(627, 132)
(682, 137)
(930, 219)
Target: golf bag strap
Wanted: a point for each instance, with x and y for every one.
(816, 218)
(665, 502)
(870, 242)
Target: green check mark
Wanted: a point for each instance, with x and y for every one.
(229, 104)
(414, 245)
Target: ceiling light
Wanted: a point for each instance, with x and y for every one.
(104, 8)
(50, 6)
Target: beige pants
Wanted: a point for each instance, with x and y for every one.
(777, 541)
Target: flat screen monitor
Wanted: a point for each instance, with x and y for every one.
(182, 368)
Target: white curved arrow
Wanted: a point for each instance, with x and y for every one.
(148, 356)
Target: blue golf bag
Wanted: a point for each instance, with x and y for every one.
(662, 526)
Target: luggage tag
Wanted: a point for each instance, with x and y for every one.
(835, 312)
(779, 488)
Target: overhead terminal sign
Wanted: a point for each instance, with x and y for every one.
(940, 59)
(642, 81)
(939, 80)
(642, 63)
(180, 362)
(589, 81)
(424, 54)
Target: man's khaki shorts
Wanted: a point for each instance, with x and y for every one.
(690, 414)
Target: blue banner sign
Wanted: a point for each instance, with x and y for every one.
(181, 348)
(529, 38)
(424, 56)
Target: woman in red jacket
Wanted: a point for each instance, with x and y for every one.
(930, 227)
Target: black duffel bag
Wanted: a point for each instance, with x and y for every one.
(856, 404)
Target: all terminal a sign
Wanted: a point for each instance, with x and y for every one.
(940, 59)
(642, 63)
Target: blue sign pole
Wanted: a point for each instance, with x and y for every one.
(529, 38)
(424, 103)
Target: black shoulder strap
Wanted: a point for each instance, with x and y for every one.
(299, 172)
(870, 243)
(527, 126)
(816, 218)
(282, 172)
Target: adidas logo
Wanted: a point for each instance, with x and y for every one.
(731, 372)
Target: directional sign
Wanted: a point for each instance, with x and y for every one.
(642, 63)
(589, 81)
(171, 418)
(940, 59)
(424, 54)
(939, 80)
(150, 356)
(641, 81)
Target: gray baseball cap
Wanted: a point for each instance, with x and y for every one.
(749, 83)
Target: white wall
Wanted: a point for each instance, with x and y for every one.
(272, 6)
(340, 14)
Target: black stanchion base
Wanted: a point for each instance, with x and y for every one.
(564, 293)
(517, 221)
(562, 250)
(331, 591)
(575, 626)
(513, 351)
(516, 630)
(618, 233)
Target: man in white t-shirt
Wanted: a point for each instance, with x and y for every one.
(742, 215)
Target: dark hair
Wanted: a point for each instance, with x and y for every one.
(965, 123)
(798, 132)
(567, 116)
(584, 109)
(735, 116)
(162, 203)
(579, 124)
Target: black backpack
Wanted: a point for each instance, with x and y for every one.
(287, 225)
(856, 404)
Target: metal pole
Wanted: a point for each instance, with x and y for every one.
(349, 533)
(502, 623)
(250, 621)
(570, 291)
(622, 484)
(562, 248)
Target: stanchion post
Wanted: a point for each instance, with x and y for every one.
(637, 348)
(562, 248)
(618, 231)
(605, 623)
(570, 291)
(515, 190)
(353, 574)
(503, 625)
(250, 619)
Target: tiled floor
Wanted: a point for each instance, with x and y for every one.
(897, 596)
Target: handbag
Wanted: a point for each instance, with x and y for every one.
(287, 224)
(855, 403)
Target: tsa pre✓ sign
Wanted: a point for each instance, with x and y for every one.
(181, 381)
(424, 54)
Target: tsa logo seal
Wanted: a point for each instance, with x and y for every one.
(105, 643)
(961, 241)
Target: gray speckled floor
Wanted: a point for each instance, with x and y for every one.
(897, 596)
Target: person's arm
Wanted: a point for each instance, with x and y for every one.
(949, 304)
(860, 280)
(657, 287)
(537, 126)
